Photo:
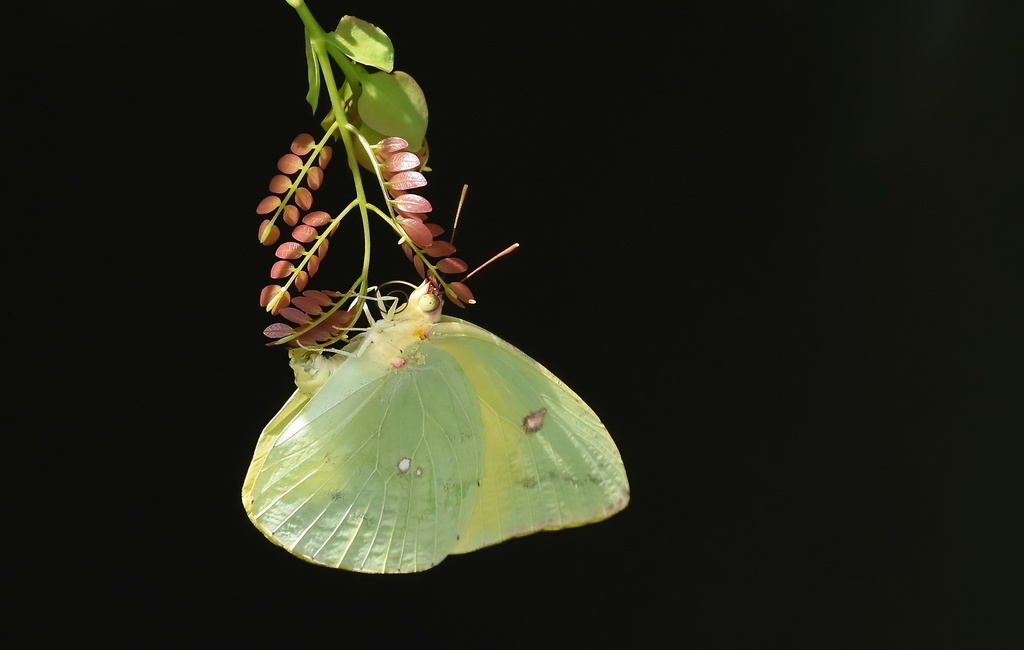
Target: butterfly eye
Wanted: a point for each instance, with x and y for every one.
(429, 303)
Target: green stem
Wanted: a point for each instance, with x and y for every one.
(320, 47)
(350, 152)
(318, 42)
(307, 16)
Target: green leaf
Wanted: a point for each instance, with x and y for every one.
(364, 43)
(312, 74)
(393, 105)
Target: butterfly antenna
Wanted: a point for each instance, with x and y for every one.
(501, 254)
(458, 211)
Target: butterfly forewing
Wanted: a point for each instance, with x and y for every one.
(378, 471)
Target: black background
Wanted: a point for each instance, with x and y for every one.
(777, 247)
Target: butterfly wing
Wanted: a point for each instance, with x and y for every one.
(375, 472)
(548, 461)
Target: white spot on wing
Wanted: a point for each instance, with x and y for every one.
(404, 465)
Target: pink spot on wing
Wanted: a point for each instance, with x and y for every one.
(533, 422)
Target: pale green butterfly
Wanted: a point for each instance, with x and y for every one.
(426, 436)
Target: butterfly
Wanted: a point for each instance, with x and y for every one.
(426, 436)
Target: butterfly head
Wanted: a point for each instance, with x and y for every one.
(419, 313)
(425, 303)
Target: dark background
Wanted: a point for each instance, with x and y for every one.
(776, 246)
